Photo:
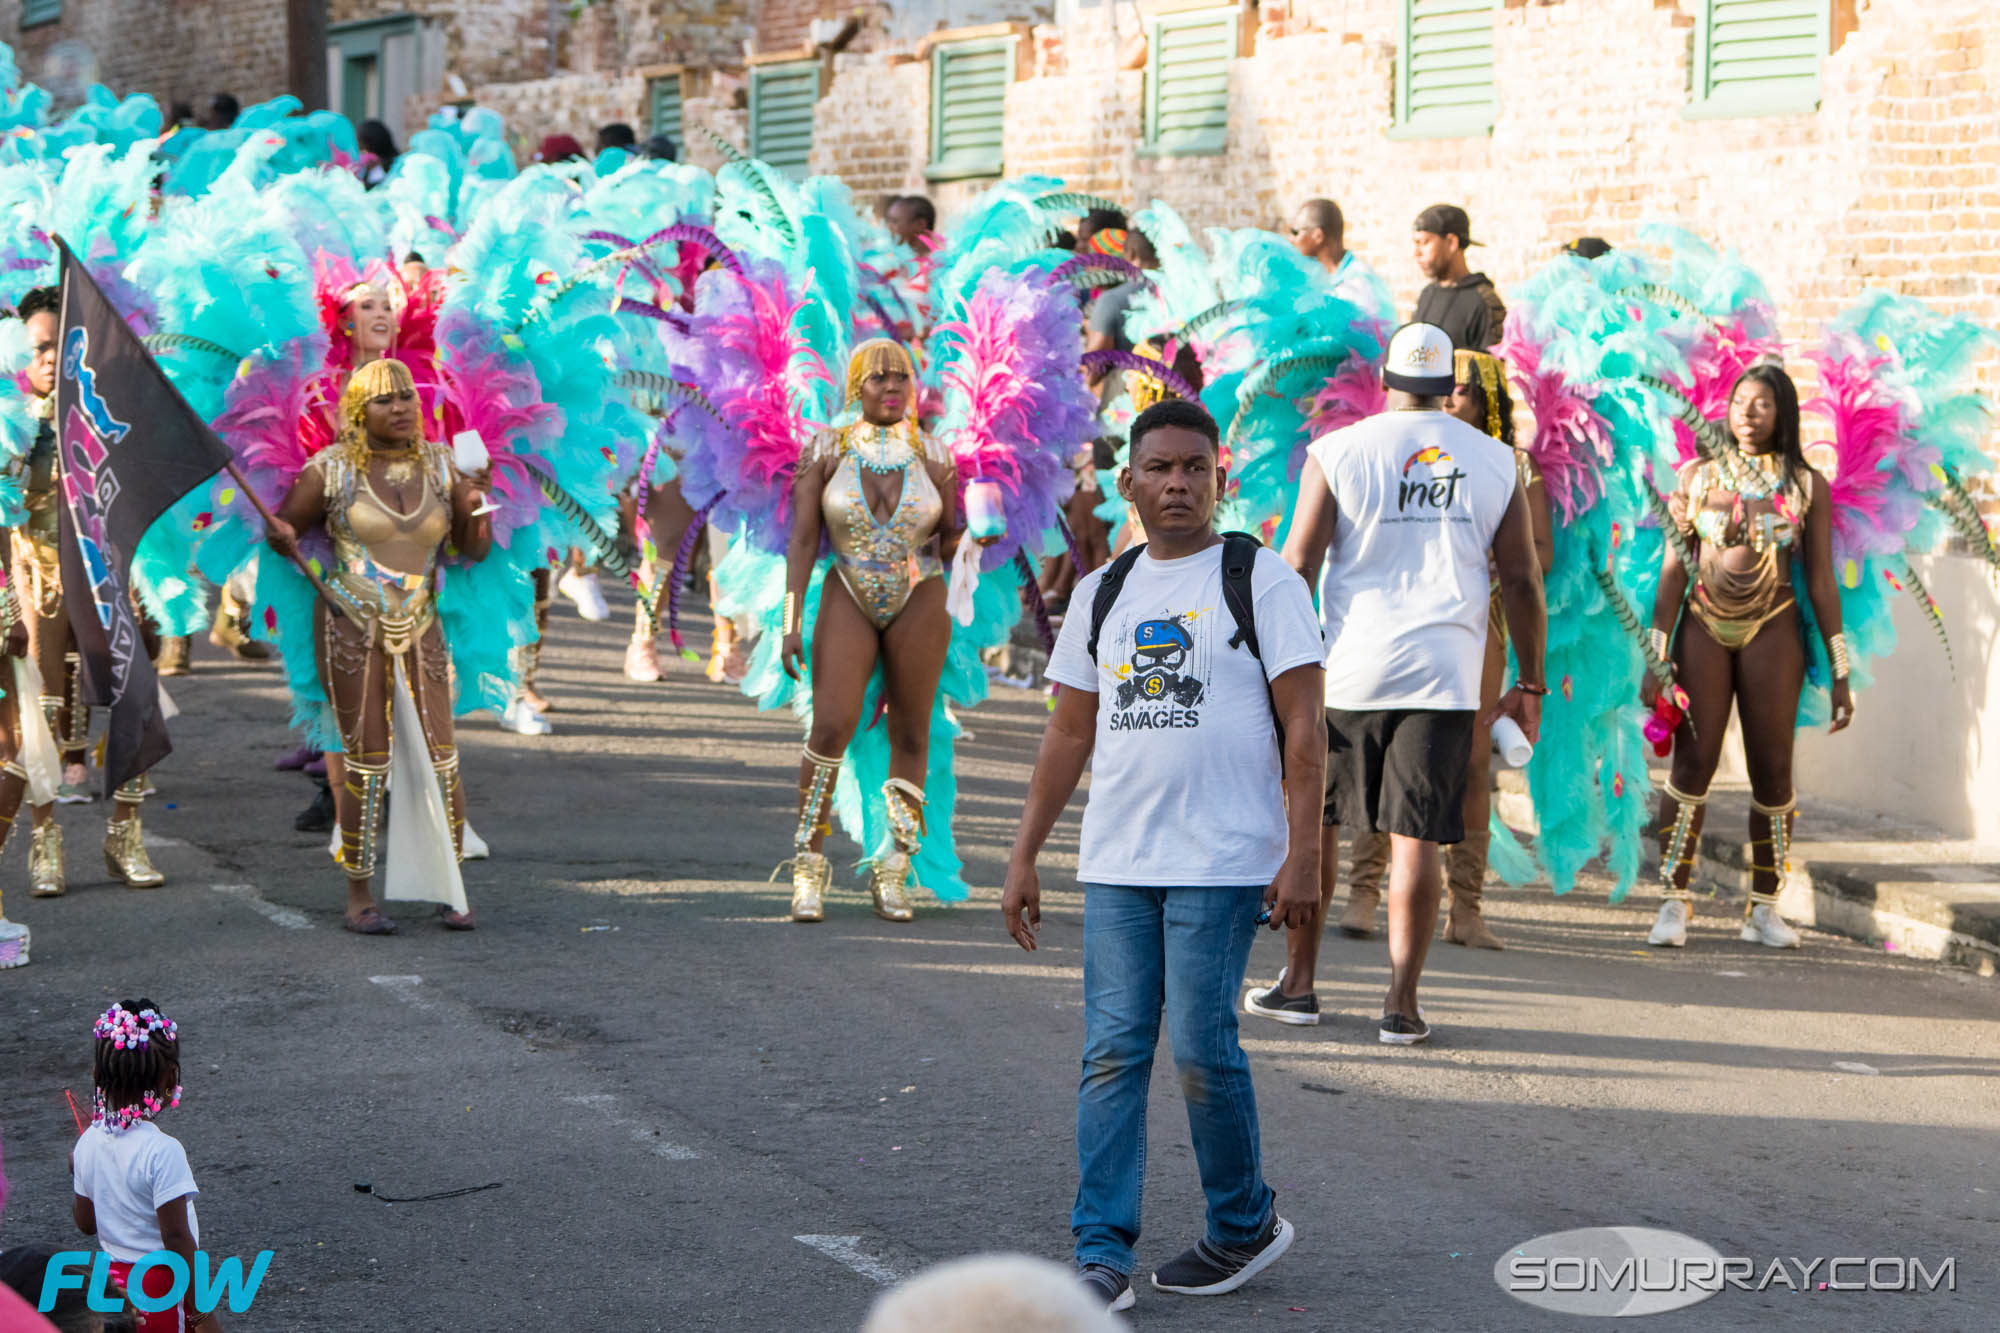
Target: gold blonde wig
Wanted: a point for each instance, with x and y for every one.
(1484, 369)
(877, 355)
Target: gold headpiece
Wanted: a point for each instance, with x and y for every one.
(365, 285)
(873, 356)
(1468, 365)
(1145, 390)
(384, 375)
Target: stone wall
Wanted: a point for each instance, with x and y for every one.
(187, 52)
(574, 104)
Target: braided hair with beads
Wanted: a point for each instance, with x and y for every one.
(137, 1068)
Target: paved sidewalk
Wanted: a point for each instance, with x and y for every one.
(1869, 876)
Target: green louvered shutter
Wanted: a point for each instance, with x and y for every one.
(1759, 57)
(969, 107)
(781, 114)
(1187, 81)
(40, 11)
(1444, 84)
(663, 107)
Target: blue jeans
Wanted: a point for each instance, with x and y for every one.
(1181, 951)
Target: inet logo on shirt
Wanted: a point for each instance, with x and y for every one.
(1165, 673)
(1432, 489)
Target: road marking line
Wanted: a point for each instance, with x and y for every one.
(270, 911)
(641, 1133)
(846, 1251)
(404, 988)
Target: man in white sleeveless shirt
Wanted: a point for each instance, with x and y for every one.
(1405, 508)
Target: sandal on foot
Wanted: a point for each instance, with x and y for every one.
(456, 920)
(370, 922)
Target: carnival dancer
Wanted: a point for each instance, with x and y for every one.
(522, 386)
(30, 765)
(37, 566)
(389, 500)
(885, 495)
(1744, 518)
(1010, 409)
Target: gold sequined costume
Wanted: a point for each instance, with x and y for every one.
(382, 656)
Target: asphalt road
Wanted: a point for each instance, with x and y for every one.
(703, 1117)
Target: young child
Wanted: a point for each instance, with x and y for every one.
(134, 1191)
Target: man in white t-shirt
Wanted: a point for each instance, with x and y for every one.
(1195, 680)
(1407, 509)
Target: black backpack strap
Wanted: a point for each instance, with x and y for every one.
(1239, 563)
(1108, 589)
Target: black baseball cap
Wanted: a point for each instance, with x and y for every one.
(1446, 220)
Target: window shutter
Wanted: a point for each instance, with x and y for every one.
(663, 107)
(781, 114)
(1444, 85)
(40, 11)
(1760, 57)
(969, 107)
(1187, 81)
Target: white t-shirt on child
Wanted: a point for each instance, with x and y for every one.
(1185, 783)
(127, 1174)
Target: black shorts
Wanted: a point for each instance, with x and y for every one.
(1398, 770)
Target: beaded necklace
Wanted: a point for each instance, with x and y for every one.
(880, 449)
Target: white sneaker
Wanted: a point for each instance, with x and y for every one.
(523, 720)
(1670, 930)
(583, 590)
(472, 845)
(1764, 926)
(642, 661)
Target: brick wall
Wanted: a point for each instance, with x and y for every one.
(486, 41)
(574, 104)
(187, 52)
(873, 126)
(1894, 181)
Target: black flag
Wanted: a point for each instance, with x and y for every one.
(128, 448)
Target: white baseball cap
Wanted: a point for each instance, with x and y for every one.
(1420, 361)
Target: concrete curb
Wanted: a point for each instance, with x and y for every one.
(1916, 895)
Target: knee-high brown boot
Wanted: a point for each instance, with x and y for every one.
(1465, 874)
(1364, 886)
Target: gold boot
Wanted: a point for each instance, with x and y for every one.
(812, 873)
(888, 882)
(45, 863)
(125, 855)
(173, 659)
(890, 878)
(230, 631)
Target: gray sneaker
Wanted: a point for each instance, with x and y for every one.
(1107, 1285)
(1214, 1270)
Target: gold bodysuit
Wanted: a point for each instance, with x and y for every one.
(385, 560)
(37, 559)
(882, 563)
(1748, 518)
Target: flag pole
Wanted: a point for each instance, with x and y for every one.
(312, 576)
